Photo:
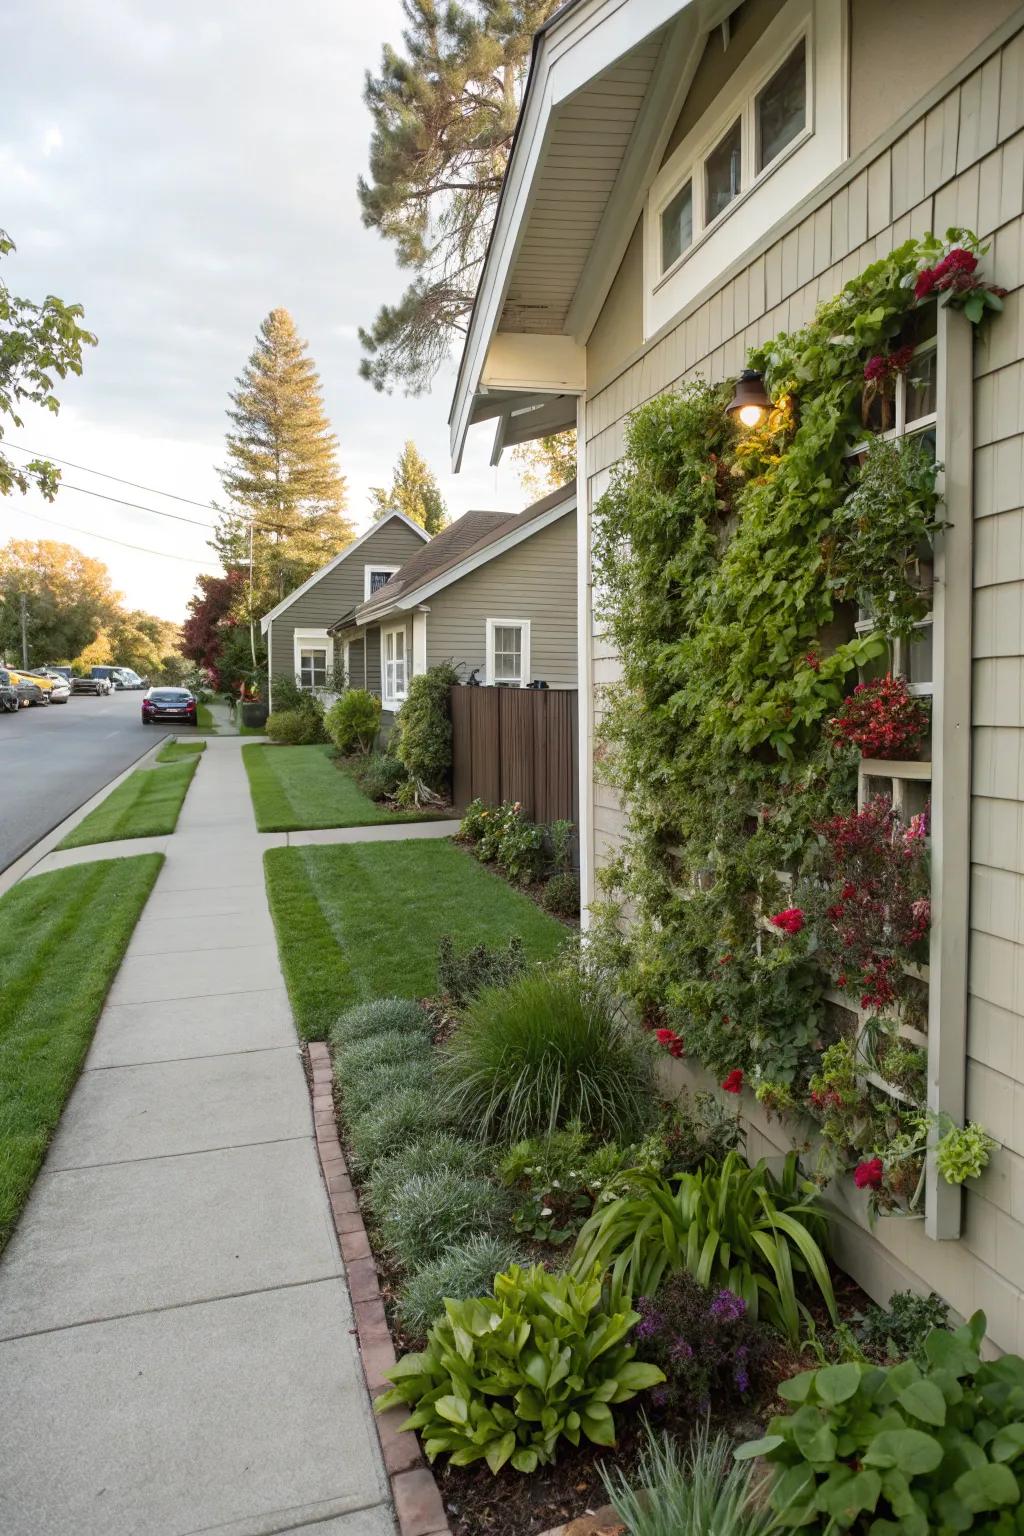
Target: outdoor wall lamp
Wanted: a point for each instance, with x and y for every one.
(750, 401)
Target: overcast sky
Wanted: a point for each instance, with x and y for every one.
(180, 170)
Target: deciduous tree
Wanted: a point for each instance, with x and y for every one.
(444, 112)
(414, 490)
(546, 463)
(68, 599)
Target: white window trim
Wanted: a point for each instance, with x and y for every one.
(794, 173)
(311, 639)
(393, 700)
(345, 663)
(369, 569)
(525, 674)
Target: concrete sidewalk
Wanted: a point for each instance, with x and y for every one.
(175, 1345)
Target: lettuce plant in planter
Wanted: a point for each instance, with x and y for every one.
(902, 1451)
(505, 1377)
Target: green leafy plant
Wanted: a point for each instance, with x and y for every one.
(561, 835)
(507, 1376)
(561, 895)
(367, 1020)
(381, 776)
(696, 1491)
(353, 721)
(431, 1211)
(424, 732)
(522, 854)
(901, 1329)
(732, 1227)
(556, 1180)
(545, 1051)
(464, 1270)
(296, 727)
(461, 974)
(902, 1450)
(474, 822)
(963, 1153)
(493, 822)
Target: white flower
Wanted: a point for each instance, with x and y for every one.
(546, 1210)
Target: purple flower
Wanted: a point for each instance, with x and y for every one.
(651, 1320)
(741, 1378)
(659, 1396)
(727, 1307)
(680, 1350)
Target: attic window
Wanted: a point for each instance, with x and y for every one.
(677, 226)
(781, 109)
(375, 577)
(722, 170)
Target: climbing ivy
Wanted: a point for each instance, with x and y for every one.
(723, 568)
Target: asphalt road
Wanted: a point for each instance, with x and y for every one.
(53, 759)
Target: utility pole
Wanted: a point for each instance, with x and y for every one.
(24, 630)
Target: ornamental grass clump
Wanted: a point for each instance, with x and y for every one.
(443, 1150)
(368, 1020)
(361, 1091)
(732, 1227)
(407, 1114)
(390, 1047)
(547, 1050)
(699, 1491)
(505, 1377)
(431, 1211)
(464, 1270)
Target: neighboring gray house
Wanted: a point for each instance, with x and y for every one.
(299, 645)
(495, 593)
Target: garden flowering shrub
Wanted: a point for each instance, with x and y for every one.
(715, 1359)
(882, 719)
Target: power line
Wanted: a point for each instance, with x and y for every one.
(178, 517)
(88, 533)
(207, 506)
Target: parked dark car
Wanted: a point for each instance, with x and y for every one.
(92, 684)
(169, 704)
(30, 689)
(9, 700)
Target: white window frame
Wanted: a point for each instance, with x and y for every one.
(525, 673)
(816, 151)
(311, 640)
(346, 666)
(375, 567)
(391, 697)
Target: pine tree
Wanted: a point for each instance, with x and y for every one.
(282, 471)
(443, 120)
(414, 491)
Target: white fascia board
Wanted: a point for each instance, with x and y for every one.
(332, 565)
(590, 39)
(483, 556)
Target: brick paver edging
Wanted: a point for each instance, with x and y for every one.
(414, 1490)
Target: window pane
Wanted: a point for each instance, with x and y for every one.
(378, 579)
(921, 389)
(312, 668)
(781, 110)
(508, 653)
(677, 226)
(920, 655)
(722, 173)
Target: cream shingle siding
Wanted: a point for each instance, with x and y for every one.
(961, 161)
(534, 580)
(336, 592)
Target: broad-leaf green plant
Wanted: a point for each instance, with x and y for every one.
(505, 1377)
(731, 1226)
(902, 1450)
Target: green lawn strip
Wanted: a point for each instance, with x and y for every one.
(296, 789)
(362, 920)
(180, 751)
(147, 804)
(205, 720)
(64, 936)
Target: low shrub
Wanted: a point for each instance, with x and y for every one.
(424, 730)
(381, 776)
(901, 1329)
(462, 974)
(561, 895)
(522, 853)
(353, 721)
(442, 1150)
(560, 835)
(375, 1084)
(902, 1449)
(465, 1270)
(391, 1046)
(367, 1020)
(547, 1050)
(504, 1378)
(730, 1226)
(556, 1180)
(495, 822)
(474, 822)
(296, 727)
(407, 1114)
(699, 1491)
(715, 1358)
(431, 1211)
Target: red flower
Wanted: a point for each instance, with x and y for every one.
(958, 260)
(813, 661)
(734, 1082)
(724, 959)
(875, 367)
(791, 920)
(672, 1042)
(868, 1175)
(925, 284)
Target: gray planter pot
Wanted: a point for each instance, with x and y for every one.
(254, 714)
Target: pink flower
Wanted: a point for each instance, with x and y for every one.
(868, 1175)
(734, 1082)
(790, 921)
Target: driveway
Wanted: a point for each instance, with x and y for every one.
(52, 760)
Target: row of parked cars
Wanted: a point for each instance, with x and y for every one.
(22, 686)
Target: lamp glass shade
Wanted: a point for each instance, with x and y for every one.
(750, 401)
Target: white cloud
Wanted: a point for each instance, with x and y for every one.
(53, 140)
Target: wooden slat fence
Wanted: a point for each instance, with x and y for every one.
(517, 744)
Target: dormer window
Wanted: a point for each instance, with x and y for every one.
(375, 577)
